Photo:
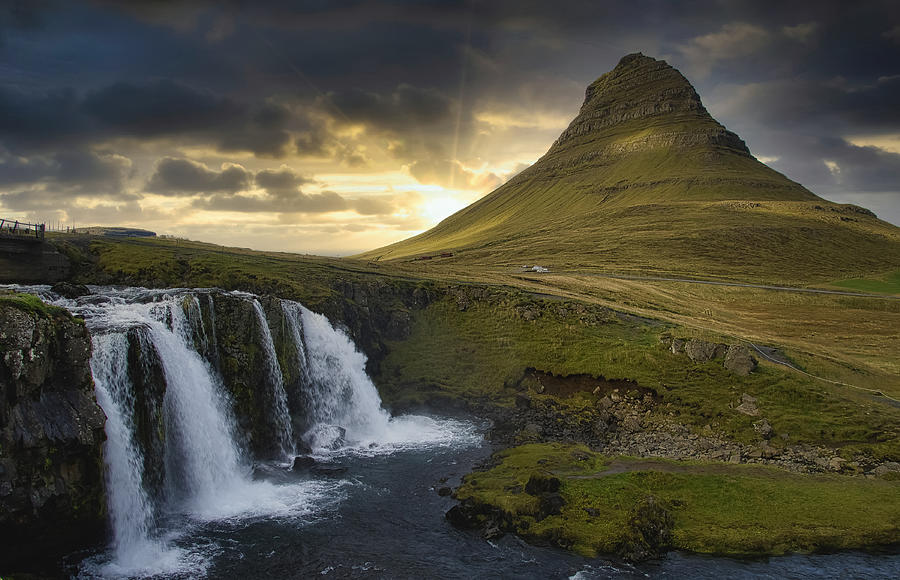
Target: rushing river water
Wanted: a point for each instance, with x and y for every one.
(195, 502)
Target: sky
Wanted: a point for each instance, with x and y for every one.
(334, 127)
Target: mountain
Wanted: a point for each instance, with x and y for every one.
(644, 179)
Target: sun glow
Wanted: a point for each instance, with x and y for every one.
(437, 207)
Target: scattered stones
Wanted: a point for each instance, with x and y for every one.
(836, 463)
(621, 424)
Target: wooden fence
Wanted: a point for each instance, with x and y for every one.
(21, 230)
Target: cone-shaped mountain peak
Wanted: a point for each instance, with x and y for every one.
(643, 89)
(645, 178)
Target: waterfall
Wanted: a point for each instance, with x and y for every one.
(176, 455)
(344, 406)
(202, 459)
(344, 403)
(282, 417)
(206, 473)
(130, 508)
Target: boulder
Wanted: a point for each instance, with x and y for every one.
(540, 483)
(551, 505)
(739, 361)
(69, 290)
(328, 470)
(523, 400)
(462, 516)
(649, 533)
(887, 467)
(763, 428)
(701, 351)
(303, 462)
(748, 406)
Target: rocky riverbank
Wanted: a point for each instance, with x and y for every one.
(629, 420)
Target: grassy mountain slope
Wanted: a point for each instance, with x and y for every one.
(645, 179)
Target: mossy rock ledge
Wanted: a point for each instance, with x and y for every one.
(51, 433)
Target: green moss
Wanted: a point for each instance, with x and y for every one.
(715, 508)
(31, 304)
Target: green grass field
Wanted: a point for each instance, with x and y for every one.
(737, 510)
(887, 284)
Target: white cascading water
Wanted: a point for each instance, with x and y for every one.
(282, 418)
(208, 476)
(130, 509)
(203, 461)
(346, 408)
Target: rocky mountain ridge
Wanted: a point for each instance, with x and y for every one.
(641, 88)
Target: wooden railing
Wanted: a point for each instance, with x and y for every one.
(21, 230)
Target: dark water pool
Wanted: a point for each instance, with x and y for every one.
(382, 518)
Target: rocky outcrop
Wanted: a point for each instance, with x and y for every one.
(51, 432)
(239, 354)
(642, 88)
(739, 361)
(649, 533)
(736, 357)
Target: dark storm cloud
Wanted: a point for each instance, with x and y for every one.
(832, 164)
(158, 110)
(53, 117)
(299, 202)
(281, 182)
(185, 177)
(296, 202)
(69, 172)
(827, 104)
(406, 108)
